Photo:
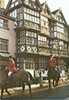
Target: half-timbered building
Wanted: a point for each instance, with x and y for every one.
(59, 34)
(39, 33)
(27, 16)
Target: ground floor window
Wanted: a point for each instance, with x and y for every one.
(43, 62)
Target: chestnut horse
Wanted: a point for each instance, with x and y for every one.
(20, 78)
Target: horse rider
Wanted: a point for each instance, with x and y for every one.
(11, 67)
(51, 66)
(52, 61)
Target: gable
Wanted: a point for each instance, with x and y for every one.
(59, 16)
(35, 4)
(45, 8)
(14, 4)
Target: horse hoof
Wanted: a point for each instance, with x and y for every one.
(50, 88)
(1, 98)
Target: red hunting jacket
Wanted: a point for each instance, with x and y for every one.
(52, 62)
(12, 67)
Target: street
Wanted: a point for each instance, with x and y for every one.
(60, 93)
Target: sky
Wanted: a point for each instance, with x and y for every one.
(55, 4)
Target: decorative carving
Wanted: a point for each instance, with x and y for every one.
(22, 48)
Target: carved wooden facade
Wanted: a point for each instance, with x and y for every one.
(59, 32)
(39, 33)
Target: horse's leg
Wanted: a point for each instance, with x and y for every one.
(7, 91)
(49, 82)
(23, 87)
(2, 90)
(54, 82)
(57, 79)
(29, 87)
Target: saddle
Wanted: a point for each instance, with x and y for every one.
(12, 75)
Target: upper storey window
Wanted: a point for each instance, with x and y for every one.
(44, 21)
(3, 23)
(59, 17)
(15, 3)
(13, 14)
(27, 2)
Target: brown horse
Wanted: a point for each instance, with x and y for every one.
(20, 78)
(53, 71)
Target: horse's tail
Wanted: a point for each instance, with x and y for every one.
(30, 77)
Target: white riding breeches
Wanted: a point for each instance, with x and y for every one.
(9, 73)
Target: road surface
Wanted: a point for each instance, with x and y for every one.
(61, 93)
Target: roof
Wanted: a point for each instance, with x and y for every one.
(60, 11)
(45, 5)
(20, 3)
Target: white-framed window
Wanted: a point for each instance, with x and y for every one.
(3, 23)
(42, 40)
(13, 14)
(26, 2)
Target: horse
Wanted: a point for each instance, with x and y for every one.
(53, 72)
(20, 78)
(53, 75)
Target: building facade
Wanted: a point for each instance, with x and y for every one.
(7, 35)
(59, 34)
(44, 37)
(39, 33)
(27, 30)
